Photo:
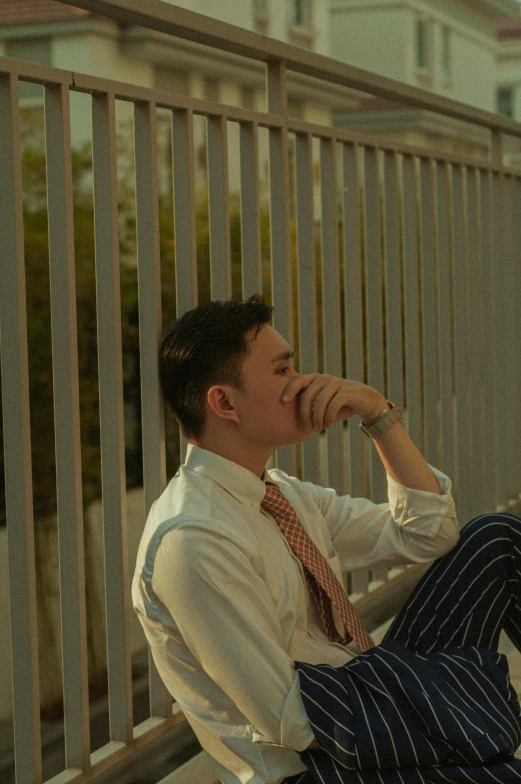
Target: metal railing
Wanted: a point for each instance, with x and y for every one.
(430, 239)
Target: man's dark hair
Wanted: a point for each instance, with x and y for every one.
(206, 346)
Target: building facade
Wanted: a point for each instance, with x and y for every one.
(448, 47)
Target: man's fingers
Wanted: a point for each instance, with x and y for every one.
(297, 384)
(320, 411)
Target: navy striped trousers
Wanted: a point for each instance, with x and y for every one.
(433, 703)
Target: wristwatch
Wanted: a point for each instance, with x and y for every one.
(383, 422)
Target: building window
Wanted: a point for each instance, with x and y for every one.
(422, 43)
(446, 65)
(299, 13)
(505, 101)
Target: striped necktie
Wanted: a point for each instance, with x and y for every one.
(322, 582)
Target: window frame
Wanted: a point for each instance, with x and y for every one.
(304, 10)
(423, 23)
(506, 89)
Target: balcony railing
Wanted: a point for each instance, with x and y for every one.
(418, 297)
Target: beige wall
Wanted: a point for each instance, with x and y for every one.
(99, 55)
(239, 14)
(373, 39)
(380, 36)
(474, 74)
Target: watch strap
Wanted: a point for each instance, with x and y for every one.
(384, 421)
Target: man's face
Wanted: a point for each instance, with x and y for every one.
(264, 416)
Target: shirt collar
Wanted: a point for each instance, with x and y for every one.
(232, 477)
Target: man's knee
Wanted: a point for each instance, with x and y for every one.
(491, 523)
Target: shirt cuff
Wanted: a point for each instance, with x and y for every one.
(295, 730)
(421, 509)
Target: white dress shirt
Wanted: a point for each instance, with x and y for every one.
(225, 605)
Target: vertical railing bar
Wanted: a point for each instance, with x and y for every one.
(281, 264)
(17, 437)
(250, 211)
(67, 428)
(393, 321)
(306, 285)
(490, 311)
(411, 304)
(352, 272)
(428, 313)
(498, 244)
(446, 333)
(475, 369)
(379, 576)
(149, 294)
(108, 297)
(373, 298)
(512, 354)
(353, 304)
(461, 344)
(331, 321)
(184, 222)
(219, 209)
(516, 341)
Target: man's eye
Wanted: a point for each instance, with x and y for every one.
(282, 370)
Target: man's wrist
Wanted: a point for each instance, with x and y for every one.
(375, 413)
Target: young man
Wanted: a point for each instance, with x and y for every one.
(228, 600)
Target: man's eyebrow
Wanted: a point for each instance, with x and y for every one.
(284, 355)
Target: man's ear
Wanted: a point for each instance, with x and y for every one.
(221, 401)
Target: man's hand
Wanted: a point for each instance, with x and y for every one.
(314, 744)
(326, 399)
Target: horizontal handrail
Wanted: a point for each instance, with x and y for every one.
(126, 91)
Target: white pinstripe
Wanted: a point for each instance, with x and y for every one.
(443, 565)
(478, 577)
(472, 699)
(473, 664)
(400, 715)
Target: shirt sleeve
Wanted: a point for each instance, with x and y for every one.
(228, 621)
(415, 526)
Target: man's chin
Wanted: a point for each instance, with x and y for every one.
(301, 435)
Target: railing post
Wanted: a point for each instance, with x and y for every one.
(67, 426)
(149, 292)
(219, 207)
(331, 335)
(184, 222)
(114, 497)
(306, 284)
(17, 441)
(282, 299)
